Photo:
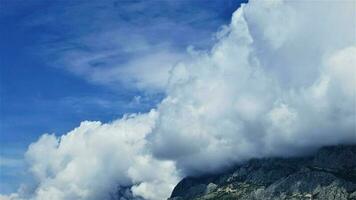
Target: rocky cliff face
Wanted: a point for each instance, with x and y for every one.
(330, 174)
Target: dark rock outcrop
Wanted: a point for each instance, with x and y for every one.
(330, 174)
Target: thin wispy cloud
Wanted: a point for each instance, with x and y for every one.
(120, 40)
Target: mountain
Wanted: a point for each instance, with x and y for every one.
(329, 174)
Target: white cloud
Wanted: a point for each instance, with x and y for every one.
(147, 72)
(92, 160)
(154, 179)
(279, 81)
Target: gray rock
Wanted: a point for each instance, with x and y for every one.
(328, 175)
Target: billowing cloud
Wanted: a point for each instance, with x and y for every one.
(279, 81)
(93, 160)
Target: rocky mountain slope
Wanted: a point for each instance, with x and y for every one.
(330, 174)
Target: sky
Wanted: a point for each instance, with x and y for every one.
(43, 89)
(123, 99)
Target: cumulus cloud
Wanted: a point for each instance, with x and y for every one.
(92, 160)
(280, 81)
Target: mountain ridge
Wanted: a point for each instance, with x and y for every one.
(328, 174)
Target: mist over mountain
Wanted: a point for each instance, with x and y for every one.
(278, 82)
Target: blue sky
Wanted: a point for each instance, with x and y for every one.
(63, 62)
